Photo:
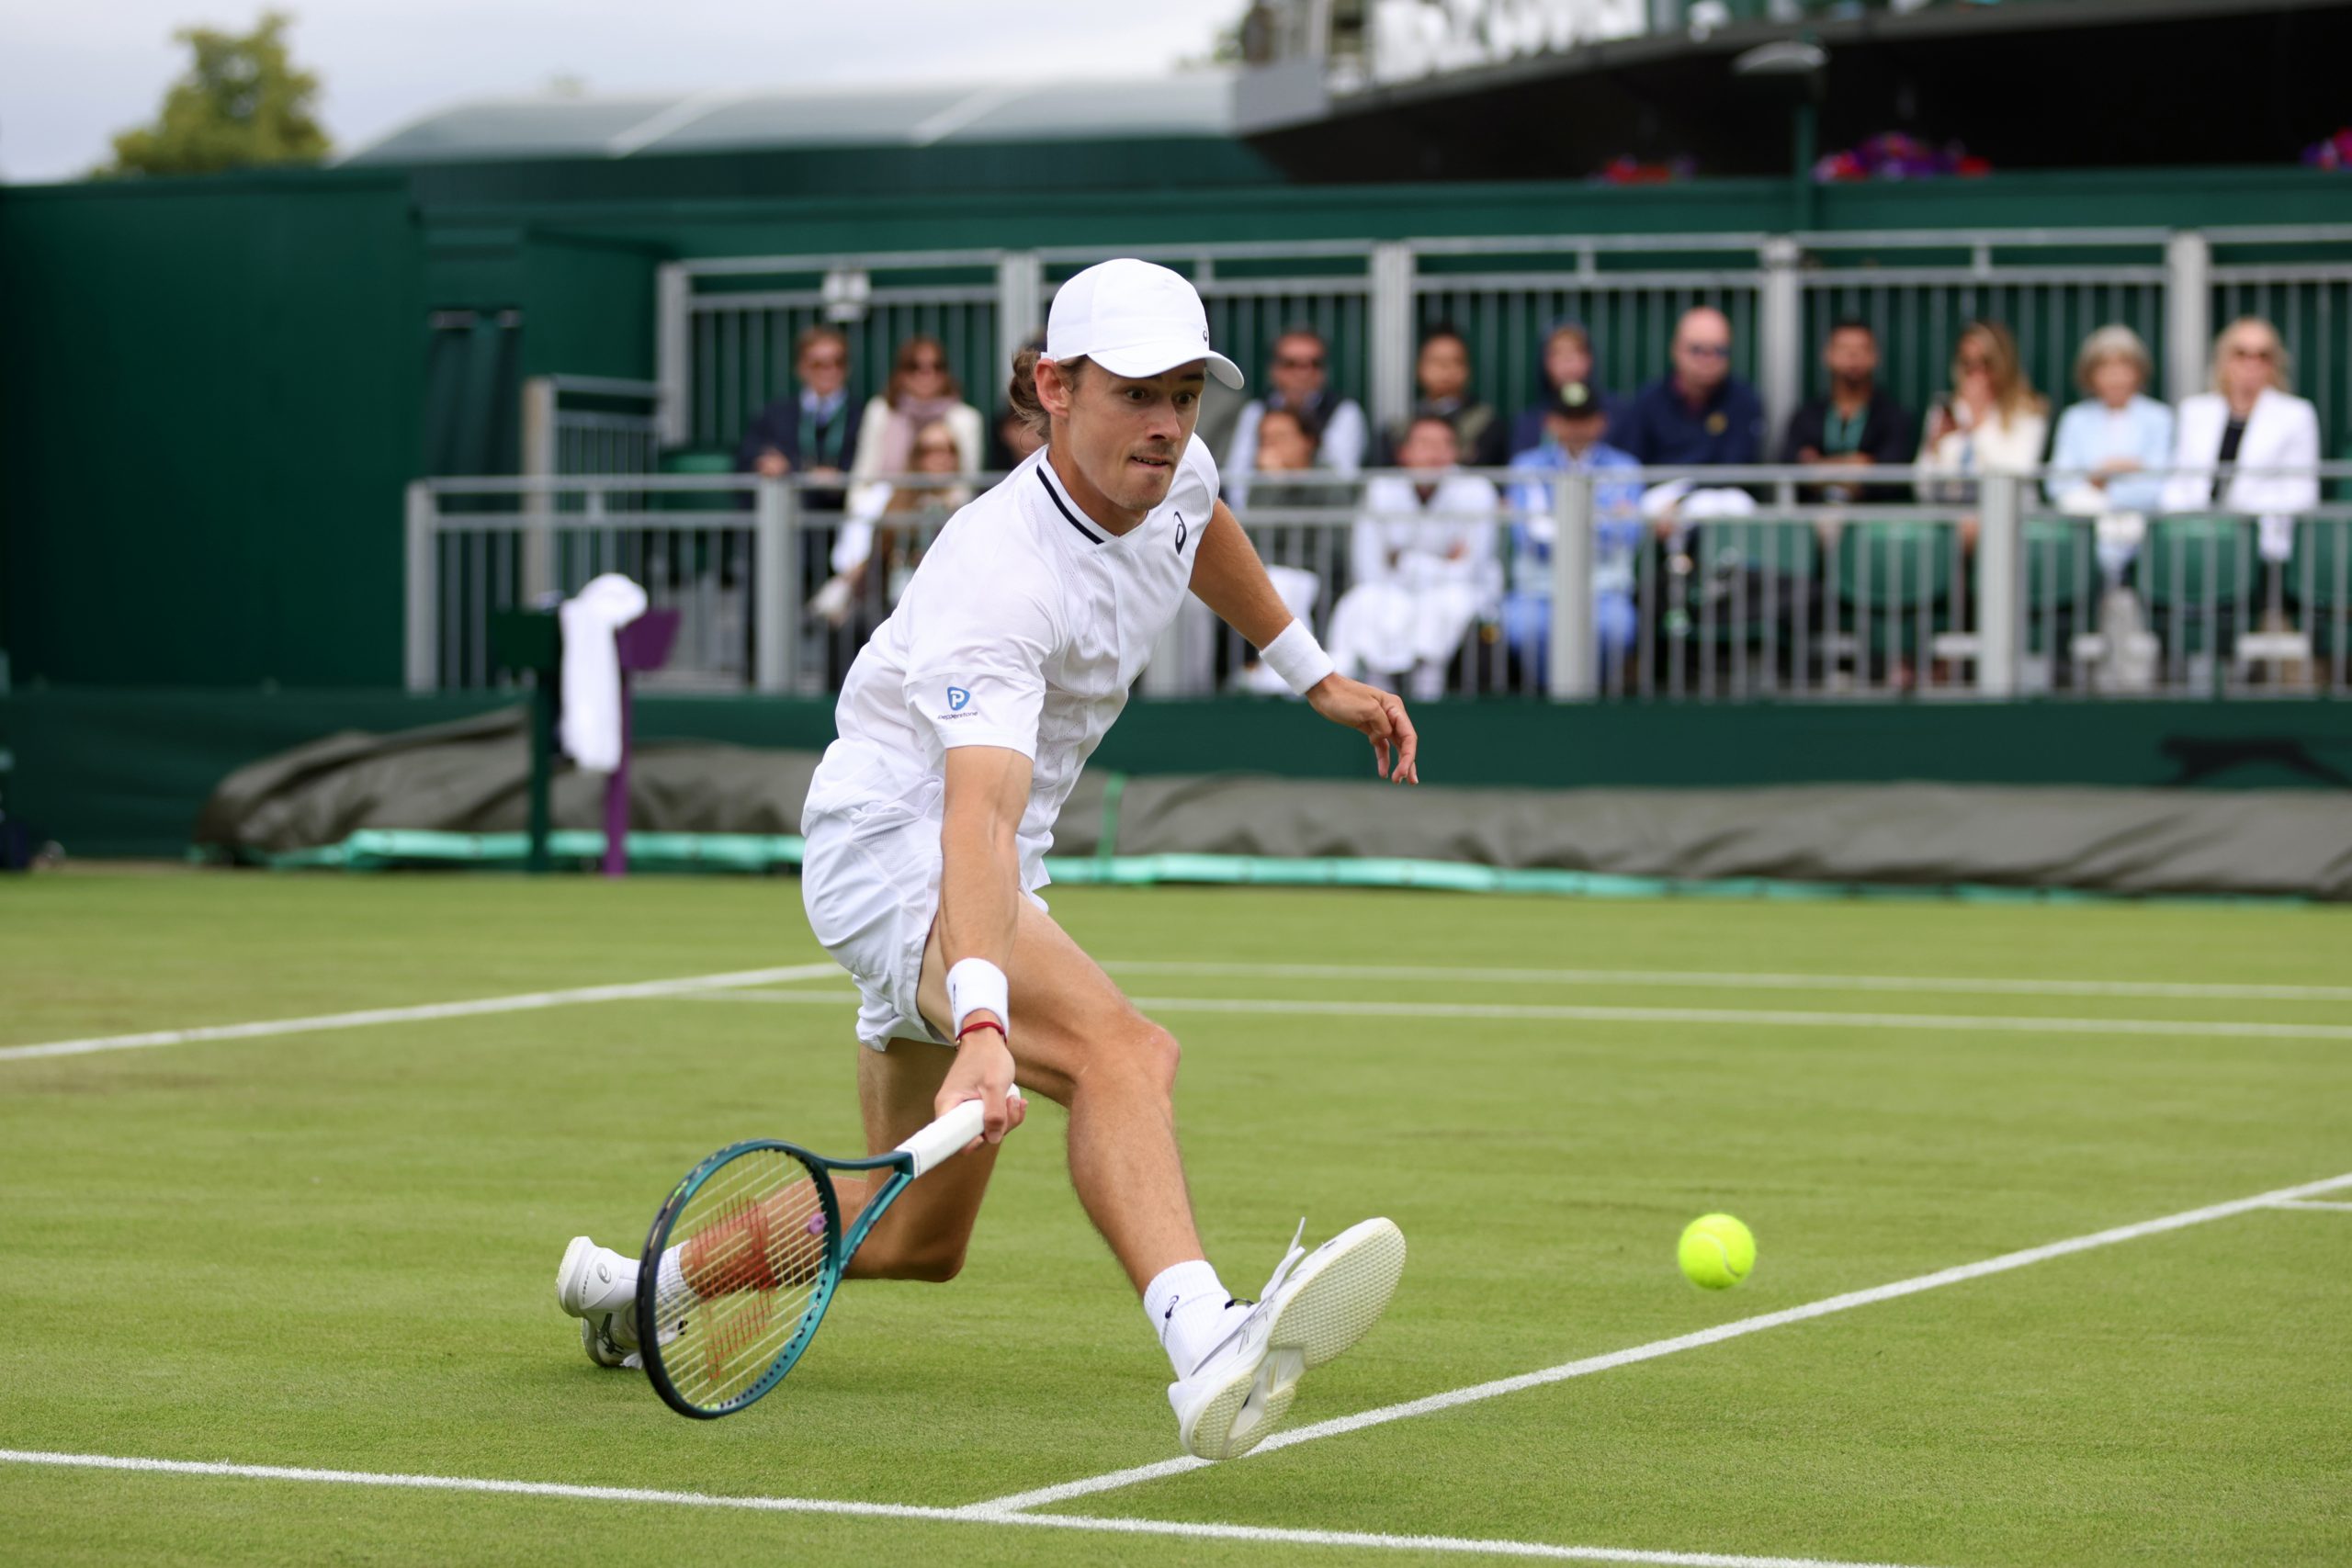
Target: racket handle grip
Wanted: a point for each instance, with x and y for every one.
(949, 1136)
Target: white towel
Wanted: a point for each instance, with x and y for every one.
(592, 669)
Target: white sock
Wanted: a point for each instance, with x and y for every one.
(1186, 1304)
(670, 1285)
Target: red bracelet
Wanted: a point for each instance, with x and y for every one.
(983, 1023)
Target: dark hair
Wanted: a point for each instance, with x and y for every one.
(1021, 393)
(1853, 324)
(1443, 328)
(1291, 414)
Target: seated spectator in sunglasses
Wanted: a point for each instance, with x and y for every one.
(1334, 425)
(1699, 413)
(812, 431)
(2250, 420)
(920, 390)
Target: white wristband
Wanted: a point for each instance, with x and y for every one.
(1298, 657)
(975, 984)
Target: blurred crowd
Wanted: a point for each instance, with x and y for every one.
(1440, 551)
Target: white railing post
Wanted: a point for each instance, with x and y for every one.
(776, 549)
(1391, 332)
(1572, 659)
(1020, 306)
(1779, 338)
(538, 463)
(2189, 312)
(2000, 584)
(419, 668)
(673, 329)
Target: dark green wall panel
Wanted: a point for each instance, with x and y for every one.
(208, 403)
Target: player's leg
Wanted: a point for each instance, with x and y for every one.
(926, 1233)
(1078, 1040)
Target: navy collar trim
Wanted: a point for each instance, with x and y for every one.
(1063, 507)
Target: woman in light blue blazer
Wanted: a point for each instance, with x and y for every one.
(2114, 446)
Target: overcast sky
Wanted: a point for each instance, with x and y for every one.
(71, 74)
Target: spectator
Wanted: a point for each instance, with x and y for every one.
(2108, 444)
(1573, 443)
(920, 390)
(1286, 466)
(2250, 420)
(813, 432)
(1423, 561)
(1992, 422)
(1333, 426)
(1442, 373)
(1700, 414)
(1568, 357)
(884, 525)
(1857, 423)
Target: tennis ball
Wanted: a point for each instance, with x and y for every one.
(1716, 1252)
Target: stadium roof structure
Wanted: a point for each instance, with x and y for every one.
(1198, 103)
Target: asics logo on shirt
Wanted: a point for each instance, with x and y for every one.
(1179, 533)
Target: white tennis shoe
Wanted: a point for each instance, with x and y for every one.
(1316, 1305)
(598, 1286)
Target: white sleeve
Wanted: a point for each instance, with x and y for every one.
(975, 668)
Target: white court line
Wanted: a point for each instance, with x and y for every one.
(1182, 1528)
(1566, 1013)
(524, 1003)
(1045, 1495)
(2328, 1208)
(1734, 980)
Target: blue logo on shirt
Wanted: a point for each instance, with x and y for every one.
(957, 697)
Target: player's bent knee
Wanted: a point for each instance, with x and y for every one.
(930, 1266)
(1162, 1055)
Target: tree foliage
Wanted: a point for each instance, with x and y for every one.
(243, 102)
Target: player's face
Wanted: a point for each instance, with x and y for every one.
(1126, 433)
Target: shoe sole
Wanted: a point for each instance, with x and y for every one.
(1340, 1292)
(1335, 1299)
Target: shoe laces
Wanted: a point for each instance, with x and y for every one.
(1290, 1261)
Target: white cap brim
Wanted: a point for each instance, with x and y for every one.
(1139, 360)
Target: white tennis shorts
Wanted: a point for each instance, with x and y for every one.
(869, 879)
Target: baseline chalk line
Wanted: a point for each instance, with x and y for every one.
(1184, 1530)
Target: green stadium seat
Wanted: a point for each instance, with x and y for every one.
(1894, 577)
(2062, 583)
(1756, 576)
(2198, 575)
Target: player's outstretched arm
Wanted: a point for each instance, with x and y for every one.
(980, 901)
(1229, 579)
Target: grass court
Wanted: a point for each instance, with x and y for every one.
(312, 1267)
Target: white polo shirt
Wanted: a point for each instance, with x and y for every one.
(1023, 626)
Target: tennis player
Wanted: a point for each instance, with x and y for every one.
(963, 725)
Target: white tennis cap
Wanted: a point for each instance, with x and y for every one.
(1133, 319)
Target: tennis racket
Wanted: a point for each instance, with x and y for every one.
(760, 1247)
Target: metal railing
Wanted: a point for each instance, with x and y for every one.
(1746, 584)
(726, 325)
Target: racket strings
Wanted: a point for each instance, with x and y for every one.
(750, 1246)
